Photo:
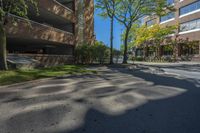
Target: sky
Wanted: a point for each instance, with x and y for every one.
(102, 31)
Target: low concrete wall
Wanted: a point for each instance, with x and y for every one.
(50, 60)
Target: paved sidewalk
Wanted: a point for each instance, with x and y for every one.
(183, 69)
(168, 63)
(117, 100)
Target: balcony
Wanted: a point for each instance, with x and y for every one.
(31, 30)
(56, 8)
(68, 3)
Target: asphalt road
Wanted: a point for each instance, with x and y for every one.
(117, 100)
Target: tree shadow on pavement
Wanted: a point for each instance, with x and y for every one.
(175, 114)
(116, 101)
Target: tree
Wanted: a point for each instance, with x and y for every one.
(143, 37)
(156, 34)
(159, 34)
(127, 12)
(131, 36)
(17, 7)
(108, 10)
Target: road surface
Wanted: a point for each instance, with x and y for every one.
(116, 100)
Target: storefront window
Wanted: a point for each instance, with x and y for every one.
(190, 49)
(167, 50)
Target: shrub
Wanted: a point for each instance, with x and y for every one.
(87, 54)
(139, 58)
(83, 53)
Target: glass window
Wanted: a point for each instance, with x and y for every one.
(167, 17)
(151, 22)
(191, 25)
(183, 27)
(198, 24)
(190, 8)
(170, 2)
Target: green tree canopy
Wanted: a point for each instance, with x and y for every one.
(17, 7)
(127, 12)
(155, 33)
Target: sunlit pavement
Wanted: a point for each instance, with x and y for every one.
(181, 69)
(116, 100)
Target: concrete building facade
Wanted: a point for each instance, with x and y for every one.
(187, 15)
(54, 31)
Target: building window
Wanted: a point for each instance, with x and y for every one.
(169, 16)
(190, 8)
(170, 2)
(150, 22)
(191, 25)
(191, 49)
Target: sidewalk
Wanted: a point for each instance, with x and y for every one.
(189, 70)
(167, 63)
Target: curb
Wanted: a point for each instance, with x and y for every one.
(26, 82)
(39, 80)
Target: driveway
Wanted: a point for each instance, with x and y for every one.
(117, 100)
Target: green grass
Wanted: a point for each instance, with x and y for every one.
(17, 76)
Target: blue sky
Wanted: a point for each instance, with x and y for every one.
(102, 31)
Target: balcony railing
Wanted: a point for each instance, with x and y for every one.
(57, 8)
(31, 29)
(63, 6)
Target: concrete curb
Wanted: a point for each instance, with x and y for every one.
(26, 82)
(40, 80)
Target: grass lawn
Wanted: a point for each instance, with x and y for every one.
(17, 76)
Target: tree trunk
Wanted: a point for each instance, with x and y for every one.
(158, 51)
(125, 58)
(3, 52)
(175, 51)
(145, 52)
(111, 40)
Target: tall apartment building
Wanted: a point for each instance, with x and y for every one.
(59, 26)
(187, 15)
